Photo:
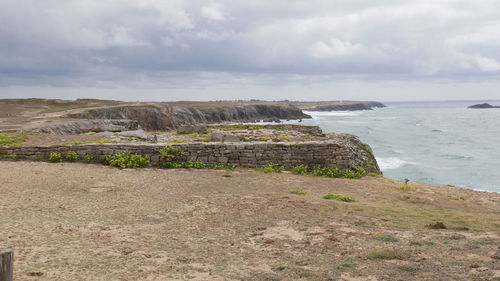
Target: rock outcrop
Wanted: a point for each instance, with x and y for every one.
(483, 105)
(167, 116)
(86, 126)
(347, 106)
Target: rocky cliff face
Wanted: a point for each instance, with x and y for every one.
(163, 116)
(347, 106)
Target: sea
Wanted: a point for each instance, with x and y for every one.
(442, 143)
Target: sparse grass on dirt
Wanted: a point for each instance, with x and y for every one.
(12, 138)
(384, 254)
(67, 221)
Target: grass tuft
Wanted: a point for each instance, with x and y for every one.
(272, 168)
(298, 192)
(338, 197)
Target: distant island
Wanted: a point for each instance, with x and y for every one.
(482, 106)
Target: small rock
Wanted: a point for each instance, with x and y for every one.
(231, 138)
(216, 136)
(474, 265)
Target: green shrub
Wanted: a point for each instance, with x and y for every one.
(272, 168)
(338, 197)
(128, 160)
(15, 157)
(300, 170)
(103, 160)
(55, 157)
(88, 158)
(178, 141)
(298, 192)
(72, 156)
(227, 175)
(169, 153)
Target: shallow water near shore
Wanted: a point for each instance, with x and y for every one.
(435, 142)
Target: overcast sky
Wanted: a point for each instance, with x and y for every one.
(232, 49)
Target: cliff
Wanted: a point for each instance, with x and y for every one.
(164, 116)
(343, 106)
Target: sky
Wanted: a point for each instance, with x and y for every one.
(161, 50)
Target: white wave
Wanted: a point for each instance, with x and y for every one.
(333, 113)
(391, 163)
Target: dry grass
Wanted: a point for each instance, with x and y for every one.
(72, 221)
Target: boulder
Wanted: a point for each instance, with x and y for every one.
(217, 136)
(189, 129)
(231, 138)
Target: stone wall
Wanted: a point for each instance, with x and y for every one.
(343, 152)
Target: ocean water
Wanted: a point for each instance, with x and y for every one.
(434, 142)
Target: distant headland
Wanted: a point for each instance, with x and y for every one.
(483, 106)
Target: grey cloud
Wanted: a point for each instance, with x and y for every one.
(132, 42)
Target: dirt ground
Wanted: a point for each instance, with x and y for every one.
(72, 221)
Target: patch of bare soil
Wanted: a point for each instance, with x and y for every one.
(92, 222)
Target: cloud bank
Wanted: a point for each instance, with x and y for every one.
(175, 44)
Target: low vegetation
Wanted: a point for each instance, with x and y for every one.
(329, 172)
(387, 237)
(55, 157)
(72, 156)
(88, 158)
(272, 168)
(168, 154)
(12, 138)
(338, 197)
(128, 160)
(298, 192)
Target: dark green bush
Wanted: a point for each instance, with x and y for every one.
(103, 160)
